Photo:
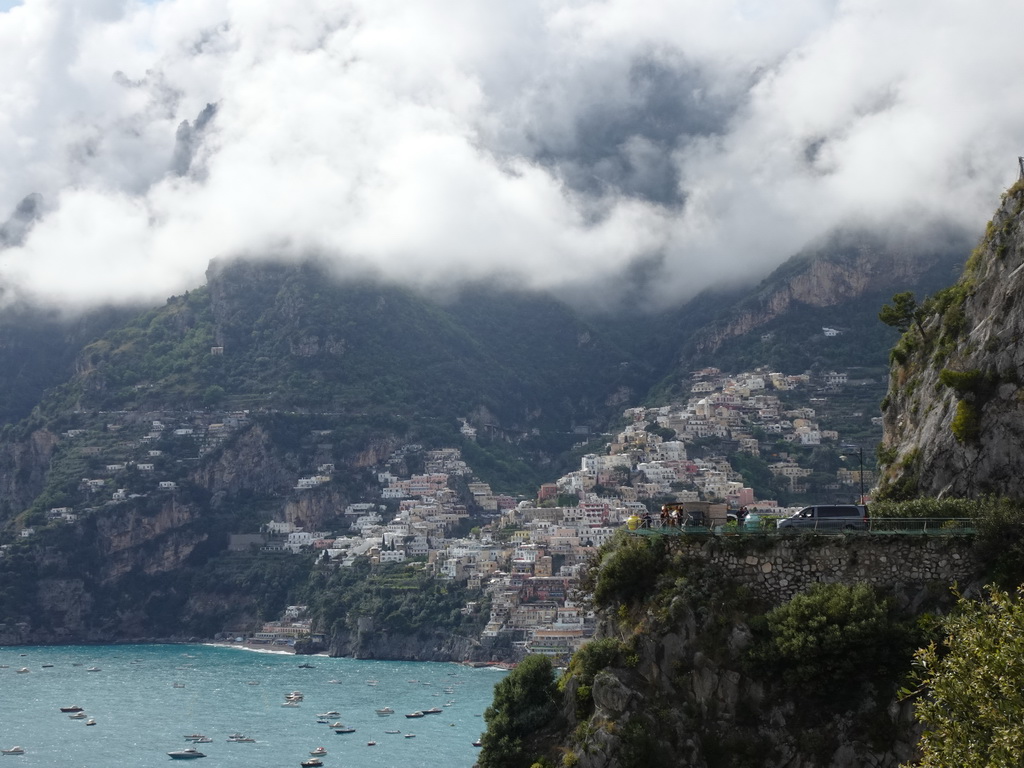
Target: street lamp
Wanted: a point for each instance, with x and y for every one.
(860, 456)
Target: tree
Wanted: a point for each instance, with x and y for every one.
(524, 704)
(971, 686)
(902, 313)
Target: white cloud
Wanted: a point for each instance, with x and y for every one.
(551, 143)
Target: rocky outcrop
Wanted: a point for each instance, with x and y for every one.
(954, 414)
(369, 642)
(23, 468)
(679, 704)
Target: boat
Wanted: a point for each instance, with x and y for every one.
(77, 716)
(371, 743)
(13, 751)
(240, 737)
(24, 670)
(312, 762)
(338, 724)
(318, 752)
(90, 721)
(372, 682)
(393, 731)
(331, 713)
(96, 669)
(305, 665)
(194, 737)
(290, 703)
(410, 735)
(72, 708)
(202, 740)
(345, 729)
(336, 682)
(478, 743)
(47, 666)
(385, 711)
(190, 753)
(417, 713)
(433, 711)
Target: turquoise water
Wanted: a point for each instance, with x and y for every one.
(146, 698)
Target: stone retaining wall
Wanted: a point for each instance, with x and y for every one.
(779, 568)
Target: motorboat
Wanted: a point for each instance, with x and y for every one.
(73, 708)
(345, 729)
(24, 671)
(189, 753)
(433, 711)
(90, 721)
(332, 713)
(240, 738)
(417, 713)
(202, 740)
(385, 711)
(13, 751)
(393, 731)
(478, 743)
(77, 716)
(196, 737)
(313, 762)
(338, 724)
(177, 685)
(318, 752)
(371, 743)
(410, 735)
(96, 669)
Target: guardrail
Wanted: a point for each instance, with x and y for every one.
(922, 526)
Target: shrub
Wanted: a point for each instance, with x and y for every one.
(827, 643)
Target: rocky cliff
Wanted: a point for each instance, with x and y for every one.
(954, 414)
(845, 271)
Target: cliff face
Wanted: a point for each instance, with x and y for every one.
(842, 270)
(679, 704)
(954, 415)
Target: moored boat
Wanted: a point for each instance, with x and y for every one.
(313, 762)
(13, 751)
(190, 753)
(318, 752)
(385, 711)
(73, 708)
(417, 713)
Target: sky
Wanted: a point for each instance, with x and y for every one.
(580, 146)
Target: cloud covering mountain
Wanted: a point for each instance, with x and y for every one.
(567, 144)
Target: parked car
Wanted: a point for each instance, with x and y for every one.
(829, 517)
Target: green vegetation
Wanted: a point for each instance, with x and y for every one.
(401, 598)
(524, 708)
(829, 644)
(970, 699)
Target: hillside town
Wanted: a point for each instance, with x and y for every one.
(525, 555)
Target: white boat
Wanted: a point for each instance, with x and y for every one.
(313, 762)
(338, 724)
(410, 735)
(24, 670)
(240, 737)
(385, 711)
(332, 713)
(77, 716)
(371, 743)
(417, 713)
(13, 751)
(96, 669)
(90, 721)
(189, 753)
(392, 731)
(318, 752)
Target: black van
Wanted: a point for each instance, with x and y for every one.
(829, 517)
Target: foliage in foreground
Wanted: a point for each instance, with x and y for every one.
(524, 705)
(972, 686)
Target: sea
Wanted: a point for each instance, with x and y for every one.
(145, 699)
